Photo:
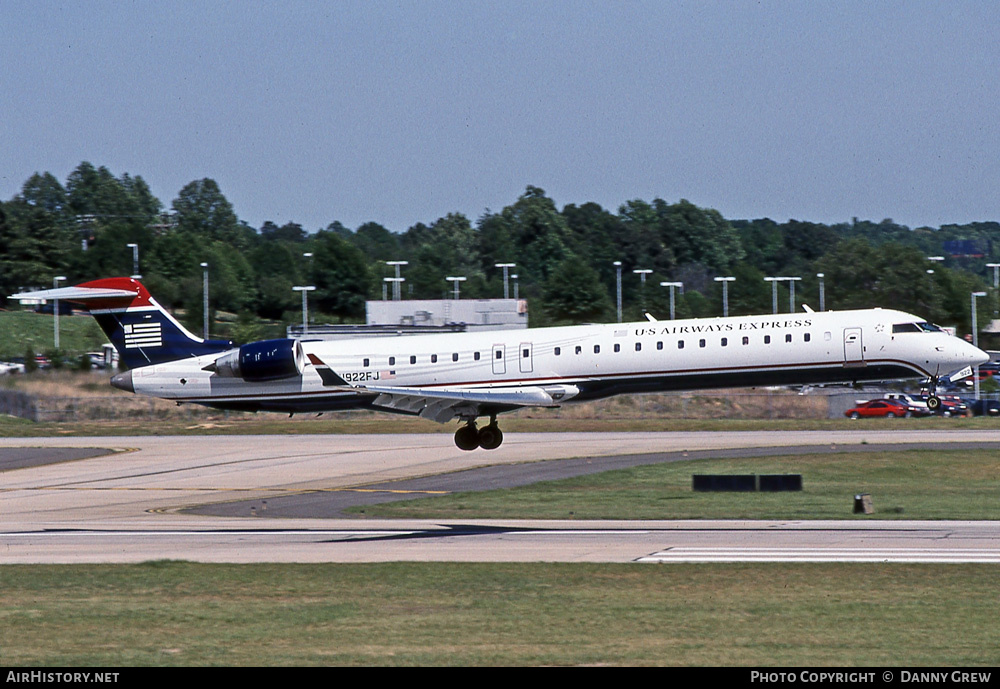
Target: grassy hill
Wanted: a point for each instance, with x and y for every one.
(20, 330)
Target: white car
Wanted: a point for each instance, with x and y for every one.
(7, 367)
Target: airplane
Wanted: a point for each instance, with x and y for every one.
(470, 375)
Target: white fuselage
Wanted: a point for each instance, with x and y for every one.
(594, 360)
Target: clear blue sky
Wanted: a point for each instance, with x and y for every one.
(401, 112)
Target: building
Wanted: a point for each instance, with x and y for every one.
(415, 316)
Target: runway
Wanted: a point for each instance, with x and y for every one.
(159, 498)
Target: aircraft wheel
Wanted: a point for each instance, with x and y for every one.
(490, 437)
(934, 403)
(467, 437)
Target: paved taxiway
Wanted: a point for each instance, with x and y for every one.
(135, 503)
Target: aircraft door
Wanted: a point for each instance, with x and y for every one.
(499, 360)
(854, 351)
(525, 357)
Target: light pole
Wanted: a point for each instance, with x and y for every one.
(55, 311)
(396, 289)
(305, 305)
(618, 269)
(996, 281)
(671, 285)
(506, 267)
(307, 255)
(395, 286)
(642, 273)
(791, 293)
(456, 281)
(204, 300)
(135, 261)
(975, 337)
(996, 274)
(725, 294)
(774, 293)
(822, 293)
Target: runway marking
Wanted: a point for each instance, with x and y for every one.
(196, 489)
(911, 555)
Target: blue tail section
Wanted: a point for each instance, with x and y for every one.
(142, 331)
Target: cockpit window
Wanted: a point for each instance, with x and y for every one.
(916, 328)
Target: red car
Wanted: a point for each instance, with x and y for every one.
(889, 409)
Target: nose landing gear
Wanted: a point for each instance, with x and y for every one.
(489, 437)
(933, 401)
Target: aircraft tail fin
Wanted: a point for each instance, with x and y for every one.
(142, 331)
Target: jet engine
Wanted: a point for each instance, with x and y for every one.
(261, 361)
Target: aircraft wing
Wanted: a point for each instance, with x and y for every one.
(444, 405)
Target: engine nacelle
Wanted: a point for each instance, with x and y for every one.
(261, 361)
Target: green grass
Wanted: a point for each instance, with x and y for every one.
(221, 423)
(408, 614)
(20, 330)
(903, 485)
(171, 613)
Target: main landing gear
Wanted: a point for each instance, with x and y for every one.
(468, 437)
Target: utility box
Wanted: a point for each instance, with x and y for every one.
(863, 504)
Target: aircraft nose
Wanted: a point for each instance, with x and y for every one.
(123, 381)
(977, 356)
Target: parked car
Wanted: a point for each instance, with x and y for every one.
(951, 405)
(990, 368)
(920, 404)
(883, 408)
(985, 407)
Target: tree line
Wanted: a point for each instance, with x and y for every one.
(565, 258)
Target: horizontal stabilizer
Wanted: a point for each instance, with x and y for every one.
(81, 294)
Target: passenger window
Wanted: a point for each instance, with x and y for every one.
(499, 354)
(746, 340)
(475, 356)
(597, 349)
(413, 359)
(618, 347)
(767, 339)
(392, 361)
(454, 357)
(725, 341)
(659, 345)
(434, 358)
(558, 351)
(579, 349)
(701, 343)
(525, 353)
(807, 337)
(788, 337)
(638, 346)
(366, 363)
(680, 344)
